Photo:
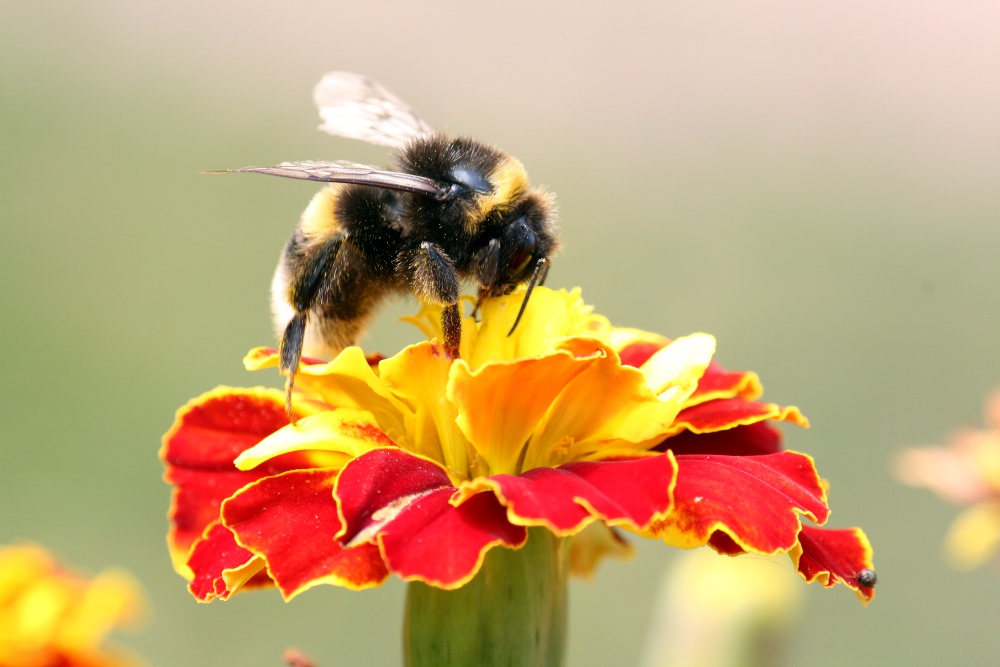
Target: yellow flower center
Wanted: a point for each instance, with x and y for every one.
(552, 392)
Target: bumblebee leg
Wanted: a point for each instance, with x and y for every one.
(537, 276)
(301, 295)
(544, 271)
(434, 280)
(451, 324)
(488, 263)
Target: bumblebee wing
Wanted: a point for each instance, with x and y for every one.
(354, 106)
(352, 172)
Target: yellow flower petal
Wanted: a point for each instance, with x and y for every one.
(516, 396)
(607, 407)
(343, 431)
(674, 371)
(418, 376)
(235, 578)
(551, 315)
(622, 337)
(974, 536)
(346, 382)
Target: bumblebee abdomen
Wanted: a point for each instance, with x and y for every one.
(320, 219)
(341, 262)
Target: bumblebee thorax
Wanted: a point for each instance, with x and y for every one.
(489, 179)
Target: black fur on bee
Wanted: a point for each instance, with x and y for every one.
(453, 209)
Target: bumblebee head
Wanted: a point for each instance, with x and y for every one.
(523, 240)
(481, 182)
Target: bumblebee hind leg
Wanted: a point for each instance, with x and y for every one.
(316, 269)
(433, 279)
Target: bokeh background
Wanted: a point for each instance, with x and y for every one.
(814, 183)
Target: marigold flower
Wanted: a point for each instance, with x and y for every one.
(417, 465)
(965, 472)
(51, 616)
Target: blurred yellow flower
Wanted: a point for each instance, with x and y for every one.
(965, 472)
(715, 612)
(50, 616)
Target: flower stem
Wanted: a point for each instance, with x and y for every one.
(512, 613)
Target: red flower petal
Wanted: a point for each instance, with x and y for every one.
(637, 354)
(748, 440)
(717, 382)
(198, 451)
(834, 557)
(290, 520)
(565, 499)
(402, 501)
(211, 558)
(440, 544)
(726, 413)
(755, 500)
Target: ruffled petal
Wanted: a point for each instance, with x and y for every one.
(635, 346)
(551, 316)
(719, 383)
(198, 452)
(344, 433)
(401, 502)
(675, 371)
(604, 410)
(631, 493)
(348, 381)
(747, 440)
(835, 557)
(220, 565)
(500, 405)
(419, 376)
(753, 500)
(722, 414)
(290, 521)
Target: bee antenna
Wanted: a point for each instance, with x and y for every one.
(537, 278)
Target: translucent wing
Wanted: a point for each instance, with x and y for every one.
(354, 106)
(352, 172)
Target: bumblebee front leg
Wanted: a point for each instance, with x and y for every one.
(433, 280)
(314, 270)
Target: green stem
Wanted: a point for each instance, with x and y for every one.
(512, 613)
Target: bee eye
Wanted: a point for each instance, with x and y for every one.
(471, 179)
(522, 251)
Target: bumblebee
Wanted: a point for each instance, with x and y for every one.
(452, 209)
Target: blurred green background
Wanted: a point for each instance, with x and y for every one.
(816, 184)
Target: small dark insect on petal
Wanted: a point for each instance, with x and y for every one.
(867, 578)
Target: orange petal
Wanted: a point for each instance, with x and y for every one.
(500, 404)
